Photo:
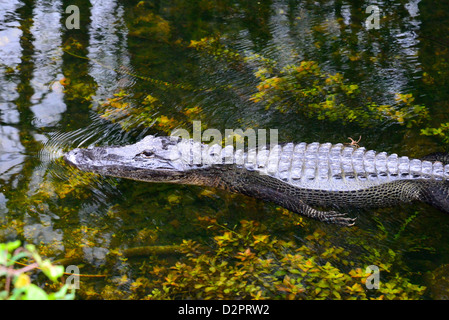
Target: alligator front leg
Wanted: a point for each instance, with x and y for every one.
(269, 189)
(326, 216)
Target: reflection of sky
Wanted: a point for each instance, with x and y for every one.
(11, 150)
(3, 209)
(10, 52)
(108, 51)
(11, 157)
(283, 44)
(412, 8)
(48, 104)
(9, 33)
(397, 38)
(398, 72)
(107, 45)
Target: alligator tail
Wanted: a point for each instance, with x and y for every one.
(437, 195)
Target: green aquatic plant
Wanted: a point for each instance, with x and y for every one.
(17, 280)
(246, 262)
(148, 25)
(306, 88)
(213, 47)
(122, 109)
(441, 132)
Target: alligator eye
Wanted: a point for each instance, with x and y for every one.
(148, 153)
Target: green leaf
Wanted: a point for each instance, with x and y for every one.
(62, 294)
(280, 273)
(51, 271)
(5, 249)
(10, 246)
(3, 295)
(17, 257)
(295, 271)
(33, 292)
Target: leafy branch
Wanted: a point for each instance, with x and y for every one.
(18, 284)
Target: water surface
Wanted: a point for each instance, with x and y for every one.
(137, 68)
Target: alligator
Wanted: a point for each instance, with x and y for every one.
(297, 177)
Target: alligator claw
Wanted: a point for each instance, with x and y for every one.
(339, 218)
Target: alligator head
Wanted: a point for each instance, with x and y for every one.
(153, 159)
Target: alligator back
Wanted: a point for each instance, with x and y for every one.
(333, 167)
(335, 175)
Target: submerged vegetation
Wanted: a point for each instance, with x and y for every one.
(306, 89)
(249, 263)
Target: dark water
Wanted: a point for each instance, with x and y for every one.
(130, 70)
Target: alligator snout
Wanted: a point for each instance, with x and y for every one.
(79, 157)
(70, 157)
